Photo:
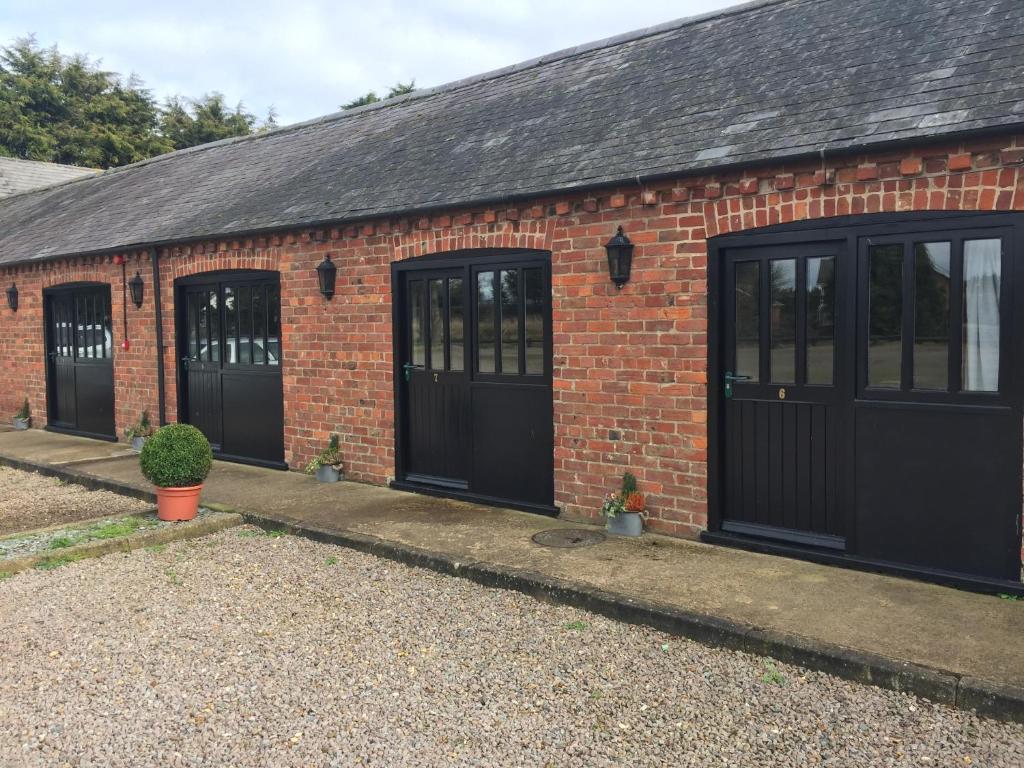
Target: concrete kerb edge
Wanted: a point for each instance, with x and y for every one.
(192, 529)
(966, 693)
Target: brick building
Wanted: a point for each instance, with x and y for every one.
(811, 354)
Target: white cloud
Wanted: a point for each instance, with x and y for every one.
(307, 56)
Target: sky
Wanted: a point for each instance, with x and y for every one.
(306, 57)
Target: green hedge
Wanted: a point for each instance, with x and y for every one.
(176, 456)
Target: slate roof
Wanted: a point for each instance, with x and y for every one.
(18, 176)
(759, 82)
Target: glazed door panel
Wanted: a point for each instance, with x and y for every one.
(473, 346)
(436, 380)
(229, 338)
(784, 395)
(80, 367)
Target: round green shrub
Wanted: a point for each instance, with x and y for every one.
(176, 456)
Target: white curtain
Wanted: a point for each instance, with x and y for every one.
(982, 266)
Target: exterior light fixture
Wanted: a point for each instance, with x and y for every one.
(326, 273)
(620, 258)
(136, 286)
(12, 297)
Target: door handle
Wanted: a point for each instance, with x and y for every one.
(730, 377)
(408, 368)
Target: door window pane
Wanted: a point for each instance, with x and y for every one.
(258, 326)
(191, 312)
(437, 340)
(485, 322)
(231, 324)
(274, 325)
(204, 329)
(245, 325)
(456, 325)
(510, 321)
(416, 330)
(982, 280)
(821, 309)
(533, 287)
(931, 315)
(213, 316)
(748, 319)
(108, 337)
(783, 321)
(885, 312)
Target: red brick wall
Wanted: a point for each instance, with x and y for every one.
(629, 365)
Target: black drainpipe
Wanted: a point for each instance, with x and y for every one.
(161, 392)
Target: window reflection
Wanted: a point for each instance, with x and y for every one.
(820, 325)
(485, 322)
(748, 321)
(783, 321)
(931, 315)
(885, 312)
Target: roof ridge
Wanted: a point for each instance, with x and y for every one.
(564, 53)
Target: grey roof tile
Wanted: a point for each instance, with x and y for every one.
(17, 176)
(761, 82)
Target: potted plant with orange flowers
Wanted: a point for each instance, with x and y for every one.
(176, 459)
(624, 510)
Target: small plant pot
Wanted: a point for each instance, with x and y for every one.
(625, 524)
(21, 423)
(328, 474)
(137, 443)
(178, 504)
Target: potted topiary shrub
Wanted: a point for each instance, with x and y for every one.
(327, 464)
(23, 417)
(138, 432)
(176, 459)
(623, 510)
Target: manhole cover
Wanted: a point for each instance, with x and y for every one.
(568, 538)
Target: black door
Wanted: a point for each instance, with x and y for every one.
(867, 404)
(785, 388)
(439, 431)
(80, 370)
(230, 344)
(473, 353)
(937, 417)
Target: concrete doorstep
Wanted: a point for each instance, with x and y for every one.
(970, 643)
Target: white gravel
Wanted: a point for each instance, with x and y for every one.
(29, 501)
(247, 650)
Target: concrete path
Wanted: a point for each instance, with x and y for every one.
(954, 646)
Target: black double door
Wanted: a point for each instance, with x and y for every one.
(473, 344)
(868, 401)
(229, 335)
(80, 355)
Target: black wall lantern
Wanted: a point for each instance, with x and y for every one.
(12, 297)
(620, 258)
(136, 286)
(326, 272)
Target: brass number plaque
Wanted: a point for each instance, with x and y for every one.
(782, 393)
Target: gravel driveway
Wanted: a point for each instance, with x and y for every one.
(29, 501)
(248, 650)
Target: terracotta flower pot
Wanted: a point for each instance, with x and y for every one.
(176, 504)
